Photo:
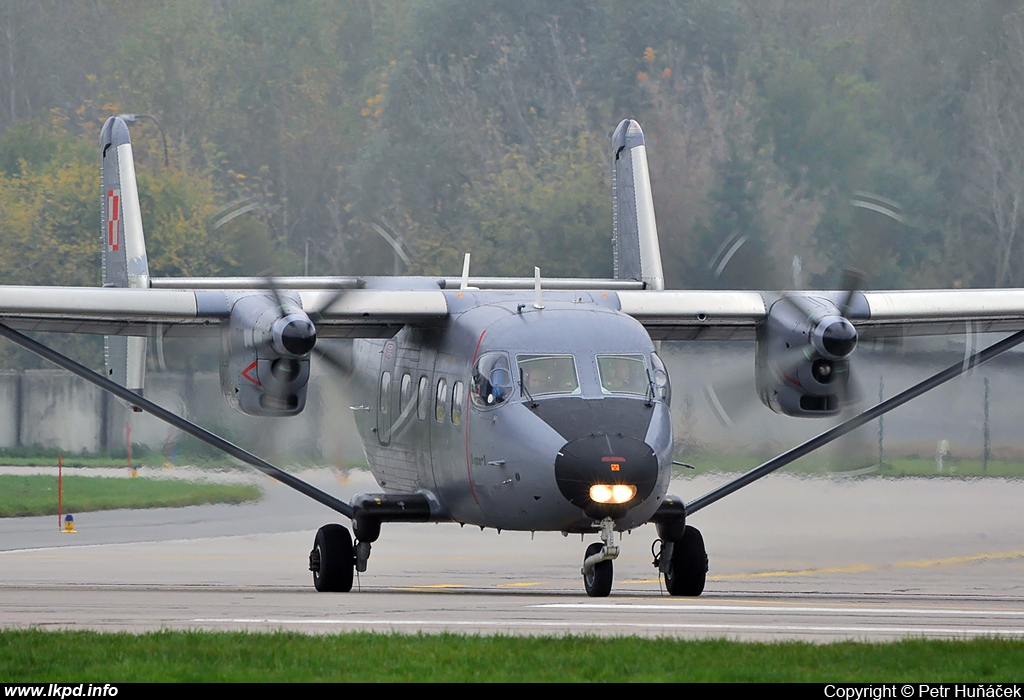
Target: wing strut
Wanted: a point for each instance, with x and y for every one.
(177, 421)
(845, 427)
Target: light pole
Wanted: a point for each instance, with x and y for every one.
(132, 118)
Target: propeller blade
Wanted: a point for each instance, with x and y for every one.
(729, 247)
(854, 280)
(876, 223)
(853, 453)
(340, 362)
(730, 402)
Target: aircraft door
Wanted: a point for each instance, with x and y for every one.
(386, 404)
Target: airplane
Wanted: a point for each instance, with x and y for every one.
(523, 404)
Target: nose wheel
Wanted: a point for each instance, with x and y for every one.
(597, 562)
(597, 581)
(332, 560)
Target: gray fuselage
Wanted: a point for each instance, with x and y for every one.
(504, 457)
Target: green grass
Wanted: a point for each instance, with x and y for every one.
(37, 656)
(37, 495)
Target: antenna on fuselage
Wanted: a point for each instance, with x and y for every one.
(465, 273)
(538, 303)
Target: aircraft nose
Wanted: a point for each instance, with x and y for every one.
(589, 469)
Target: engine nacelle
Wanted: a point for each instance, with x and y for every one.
(803, 349)
(264, 365)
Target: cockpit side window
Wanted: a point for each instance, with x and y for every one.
(549, 374)
(492, 380)
(661, 380)
(623, 374)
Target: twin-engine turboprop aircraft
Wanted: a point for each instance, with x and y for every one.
(518, 404)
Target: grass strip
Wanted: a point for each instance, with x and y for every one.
(23, 495)
(70, 656)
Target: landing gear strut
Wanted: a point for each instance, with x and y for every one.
(684, 563)
(597, 562)
(332, 560)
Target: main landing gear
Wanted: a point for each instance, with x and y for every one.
(335, 557)
(683, 562)
(332, 560)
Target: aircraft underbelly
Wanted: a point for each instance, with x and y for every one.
(395, 467)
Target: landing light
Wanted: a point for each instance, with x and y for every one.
(616, 493)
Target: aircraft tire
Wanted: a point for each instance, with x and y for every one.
(599, 581)
(688, 570)
(335, 564)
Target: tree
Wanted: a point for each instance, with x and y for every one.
(995, 195)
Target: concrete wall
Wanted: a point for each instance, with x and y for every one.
(55, 409)
(953, 412)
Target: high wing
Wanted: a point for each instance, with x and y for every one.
(176, 313)
(736, 315)
(667, 315)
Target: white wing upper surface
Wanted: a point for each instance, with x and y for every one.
(714, 315)
(146, 312)
(667, 315)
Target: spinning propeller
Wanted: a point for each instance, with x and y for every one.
(804, 348)
(294, 332)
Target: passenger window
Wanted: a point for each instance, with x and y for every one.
(457, 402)
(423, 398)
(405, 396)
(385, 392)
(440, 400)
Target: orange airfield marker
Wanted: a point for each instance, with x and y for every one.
(69, 521)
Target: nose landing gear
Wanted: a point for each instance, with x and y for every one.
(597, 562)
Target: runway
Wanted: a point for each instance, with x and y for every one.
(811, 559)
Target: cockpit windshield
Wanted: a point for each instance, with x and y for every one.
(623, 374)
(549, 374)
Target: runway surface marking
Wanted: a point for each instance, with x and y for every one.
(522, 584)
(780, 608)
(424, 586)
(861, 568)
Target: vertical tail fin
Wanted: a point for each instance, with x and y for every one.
(124, 247)
(635, 246)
